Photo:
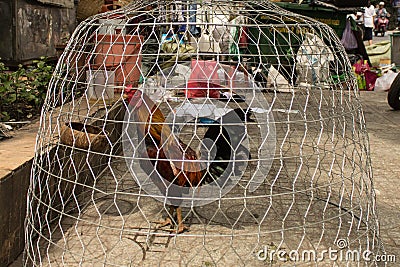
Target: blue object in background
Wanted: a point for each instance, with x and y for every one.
(192, 18)
(204, 120)
(168, 37)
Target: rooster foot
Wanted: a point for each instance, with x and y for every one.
(181, 228)
(164, 223)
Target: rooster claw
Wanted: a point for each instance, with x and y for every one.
(181, 228)
(161, 224)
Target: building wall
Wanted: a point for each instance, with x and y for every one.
(6, 41)
(34, 29)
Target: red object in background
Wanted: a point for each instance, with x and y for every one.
(370, 79)
(208, 77)
(120, 53)
(362, 67)
(109, 7)
(243, 41)
(203, 79)
(202, 89)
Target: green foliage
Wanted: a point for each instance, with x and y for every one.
(23, 91)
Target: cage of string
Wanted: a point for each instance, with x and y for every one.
(199, 133)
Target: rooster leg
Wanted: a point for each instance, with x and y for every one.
(168, 220)
(181, 226)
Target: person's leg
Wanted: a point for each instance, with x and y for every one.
(368, 35)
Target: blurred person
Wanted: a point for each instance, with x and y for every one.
(381, 11)
(396, 5)
(359, 18)
(398, 19)
(369, 14)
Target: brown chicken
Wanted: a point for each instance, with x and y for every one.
(180, 166)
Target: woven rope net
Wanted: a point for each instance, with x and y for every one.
(208, 133)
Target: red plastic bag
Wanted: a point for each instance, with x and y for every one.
(208, 77)
(203, 80)
(370, 79)
(362, 69)
(361, 66)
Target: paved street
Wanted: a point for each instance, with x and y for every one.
(383, 126)
(378, 39)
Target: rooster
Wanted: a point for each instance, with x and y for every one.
(227, 141)
(175, 161)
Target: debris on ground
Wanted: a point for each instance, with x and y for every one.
(4, 131)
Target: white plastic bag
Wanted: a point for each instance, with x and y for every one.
(384, 82)
(313, 60)
(277, 82)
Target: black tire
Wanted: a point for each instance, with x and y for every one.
(394, 94)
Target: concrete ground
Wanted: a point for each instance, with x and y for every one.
(378, 39)
(383, 125)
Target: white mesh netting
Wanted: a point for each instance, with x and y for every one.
(206, 133)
